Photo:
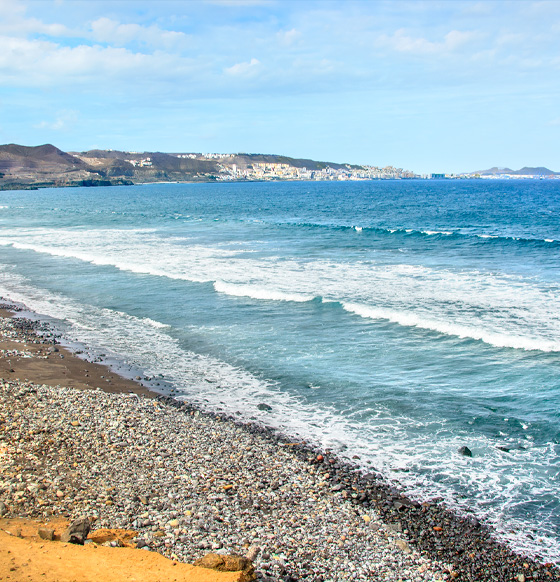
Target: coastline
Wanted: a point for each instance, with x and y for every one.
(355, 526)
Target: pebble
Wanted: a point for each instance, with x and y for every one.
(188, 482)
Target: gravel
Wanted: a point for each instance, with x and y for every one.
(190, 483)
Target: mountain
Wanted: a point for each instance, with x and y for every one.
(525, 171)
(540, 171)
(44, 165)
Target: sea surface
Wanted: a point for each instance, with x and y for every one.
(392, 322)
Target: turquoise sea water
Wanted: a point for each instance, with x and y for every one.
(393, 321)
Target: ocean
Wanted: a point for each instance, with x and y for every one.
(391, 322)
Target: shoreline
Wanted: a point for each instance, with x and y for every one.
(407, 534)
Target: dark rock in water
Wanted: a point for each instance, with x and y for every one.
(465, 451)
(265, 407)
(77, 531)
(505, 449)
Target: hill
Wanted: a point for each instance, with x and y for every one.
(46, 165)
(525, 171)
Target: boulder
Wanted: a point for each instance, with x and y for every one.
(465, 451)
(77, 531)
(46, 533)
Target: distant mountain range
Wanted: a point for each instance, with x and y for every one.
(46, 165)
(526, 171)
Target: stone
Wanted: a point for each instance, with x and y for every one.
(77, 531)
(402, 545)
(465, 451)
(228, 563)
(252, 553)
(46, 533)
(3, 509)
(264, 407)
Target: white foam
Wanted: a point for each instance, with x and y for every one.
(410, 319)
(491, 481)
(503, 310)
(433, 232)
(256, 292)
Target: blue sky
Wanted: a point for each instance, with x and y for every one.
(428, 86)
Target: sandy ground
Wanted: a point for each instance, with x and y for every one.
(25, 557)
(61, 368)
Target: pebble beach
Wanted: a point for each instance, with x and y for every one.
(189, 482)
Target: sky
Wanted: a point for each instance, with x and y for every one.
(429, 86)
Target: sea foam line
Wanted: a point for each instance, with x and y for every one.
(216, 385)
(255, 292)
(409, 319)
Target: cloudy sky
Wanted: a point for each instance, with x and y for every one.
(425, 85)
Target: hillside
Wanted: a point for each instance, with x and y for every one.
(46, 165)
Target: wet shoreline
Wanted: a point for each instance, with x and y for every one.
(449, 545)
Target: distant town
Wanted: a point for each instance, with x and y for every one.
(47, 166)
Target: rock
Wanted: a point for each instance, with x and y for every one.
(77, 531)
(3, 509)
(402, 545)
(46, 533)
(228, 563)
(265, 407)
(465, 451)
(252, 553)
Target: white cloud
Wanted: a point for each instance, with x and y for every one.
(245, 69)
(13, 20)
(64, 119)
(288, 37)
(115, 33)
(400, 41)
(26, 62)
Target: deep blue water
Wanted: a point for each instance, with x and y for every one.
(394, 321)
